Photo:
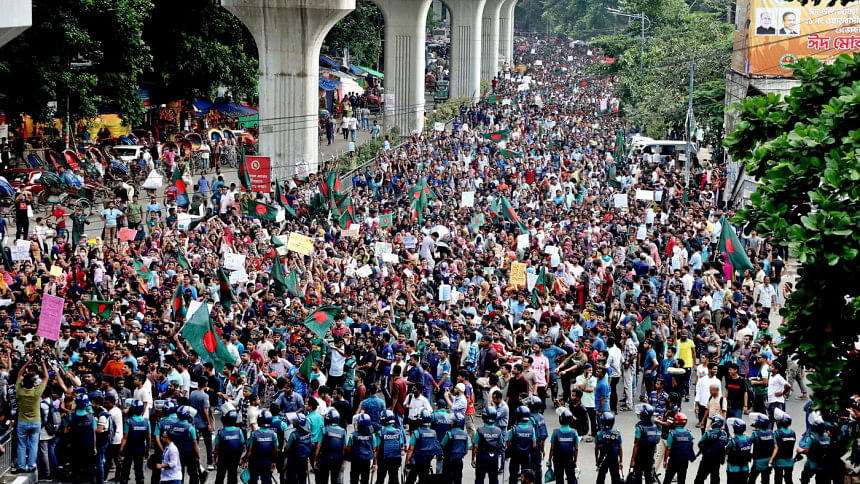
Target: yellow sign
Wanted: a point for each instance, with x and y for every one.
(299, 243)
(518, 274)
(56, 271)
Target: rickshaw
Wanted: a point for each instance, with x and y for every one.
(215, 135)
(67, 190)
(7, 194)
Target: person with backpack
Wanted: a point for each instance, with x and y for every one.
(785, 440)
(608, 452)
(564, 449)
(763, 446)
(163, 426)
(299, 448)
(228, 447)
(105, 430)
(135, 443)
(262, 452)
(423, 447)
(81, 431)
(52, 420)
(184, 436)
(712, 447)
(679, 450)
(738, 453)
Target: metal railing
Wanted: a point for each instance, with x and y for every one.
(6, 458)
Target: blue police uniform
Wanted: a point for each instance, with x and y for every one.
(763, 444)
(738, 454)
(713, 447)
(681, 453)
(82, 429)
(425, 446)
(489, 443)
(263, 445)
(455, 445)
(609, 450)
(541, 434)
(229, 445)
(299, 449)
(184, 435)
(648, 437)
(522, 441)
(389, 445)
(361, 446)
(564, 443)
(331, 453)
(136, 431)
(783, 464)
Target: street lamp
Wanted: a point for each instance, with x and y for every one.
(643, 18)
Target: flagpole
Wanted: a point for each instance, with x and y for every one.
(689, 126)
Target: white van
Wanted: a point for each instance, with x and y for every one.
(665, 148)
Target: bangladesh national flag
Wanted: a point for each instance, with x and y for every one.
(203, 337)
(244, 178)
(508, 154)
(225, 290)
(261, 210)
(330, 186)
(278, 277)
(497, 136)
(182, 260)
(143, 271)
(421, 187)
(181, 187)
(618, 152)
(386, 220)
(419, 203)
(292, 282)
(493, 98)
(613, 181)
(343, 203)
(477, 221)
(280, 197)
(301, 180)
(346, 219)
(730, 244)
(178, 303)
(495, 211)
(555, 146)
(102, 308)
(322, 319)
(540, 287)
(307, 367)
(645, 325)
(509, 213)
(685, 197)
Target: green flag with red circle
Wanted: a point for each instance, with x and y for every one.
(177, 304)
(731, 246)
(261, 210)
(102, 308)
(386, 220)
(143, 271)
(204, 339)
(497, 136)
(321, 319)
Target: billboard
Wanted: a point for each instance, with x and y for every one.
(771, 35)
(260, 172)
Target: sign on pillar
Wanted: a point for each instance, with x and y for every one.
(260, 173)
(388, 118)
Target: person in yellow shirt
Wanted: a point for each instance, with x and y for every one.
(687, 354)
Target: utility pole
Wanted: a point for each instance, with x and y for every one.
(642, 48)
(689, 127)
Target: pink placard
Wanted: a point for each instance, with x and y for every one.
(50, 317)
(126, 233)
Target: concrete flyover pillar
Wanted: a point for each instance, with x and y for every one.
(405, 33)
(506, 32)
(289, 34)
(490, 39)
(17, 17)
(466, 47)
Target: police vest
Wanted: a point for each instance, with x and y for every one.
(230, 443)
(739, 451)
(277, 426)
(541, 433)
(441, 424)
(762, 444)
(302, 446)
(819, 446)
(138, 431)
(785, 441)
(427, 445)
(523, 438)
(682, 445)
(715, 443)
(609, 444)
(362, 446)
(264, 445)
(565, 443)
(83, 429)
(390, 443)
(458, 442)
(166, 423)
(649, 437)
(333, 442)
(489, 443)
(180, 432)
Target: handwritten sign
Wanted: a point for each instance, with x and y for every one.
(467, 199)
(619, 200)
(56, 271)
(238, 276)
(382, 248)
(126, 233)
(532, 280)
(518, 274)
(351, 232)
(299, 243)
(50, 317)
(644, 194)
(522, 241)
(409, 241)
(21, 250)
(392, 258)
(364, 271)
(234, 262)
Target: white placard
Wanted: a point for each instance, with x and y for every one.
(531, 280)
(644, 194)
(619, 200)
(649, 216)
(21, 250)
(589, 51)
(234, 262)
(539, 62)
(382, 248)
(393, 258)
(658, 196)
(641, 232)
(570, 58)
(467, 199)
(554, 260)
(522, 241)
(182, 221)
(237, 277)
(439, 127)
(282, 250)
(445, 292)
(550, 249)
(364, 271)
(409, 241)
(506, 102)
(407, 273)
(351, 232)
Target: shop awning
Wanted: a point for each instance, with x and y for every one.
(328, 84)
(372, 72)
(329, 62)
(234, 110)
(202, 104)
(356, 71)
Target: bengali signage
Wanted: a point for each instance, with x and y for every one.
(260, 173)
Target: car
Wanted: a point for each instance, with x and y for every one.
(129, 153)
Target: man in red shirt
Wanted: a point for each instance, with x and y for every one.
(59, 219)
(115, 365)
(398, 392)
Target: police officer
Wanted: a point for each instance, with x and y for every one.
(423, 447)
(184, 436)
(229, 446)
(488, 445)
(712, 445)
(679, 450)
(784, 438)
(360, 447)
(163, 426)
(389, 449)
(738, 453)
(522, 442)
(455, 445)
(607, 452)
(564, 449)
(763, 446)
(442, 423)
(332, 449)
(105, 430)
(541, 434)
(135, 443)
(299, 448)
(262, 454)
(645, 445)
(82, 431)
(280, 427)
(816, 446)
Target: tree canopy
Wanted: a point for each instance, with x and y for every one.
(360, 32)
(805, 151)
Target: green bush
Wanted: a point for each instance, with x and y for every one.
(445, 112)
(365, 152)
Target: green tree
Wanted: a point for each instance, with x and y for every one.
(805, 150)
(102, 38)
(198, 46)
(360, 32)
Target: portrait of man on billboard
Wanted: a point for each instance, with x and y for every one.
(765, 24)
(789, 23)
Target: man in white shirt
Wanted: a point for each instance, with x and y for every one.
(703, 389)
(428, 247)
(776, 388)
(415, 403)
(143, 393)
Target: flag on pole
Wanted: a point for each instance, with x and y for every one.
(143, 271)
(178, 303)
(306, 367)
(102, 308)
(181, 187)
(225, 290)
(493, 98)
(731, 245)
(244, 178)
(260, 210)
(508, 154)
(618, 152)
(293, 282)
(281, 198)
(644, 326)
(182, 260)
(497, 135)
(613, 181)
(509, 213)
(278, 277)
(540, 287)
(322, 319)
(203, 337)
